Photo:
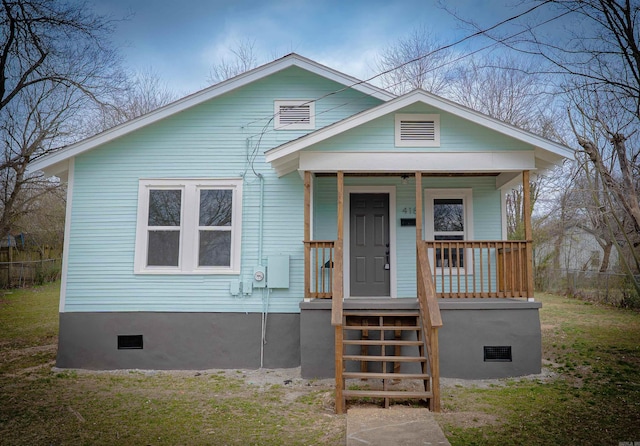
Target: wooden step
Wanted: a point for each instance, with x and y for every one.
(381, 327)
(383, 358)
(380, 342)
(374, 313)
(382, 375)
(387, 394)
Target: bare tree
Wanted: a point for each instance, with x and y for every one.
(593, 218)
(44, 225)
(142, 94)
(597, 63)
(405, 67)
(54, 63)
(244, 58)
(515, 209)
(509, 89)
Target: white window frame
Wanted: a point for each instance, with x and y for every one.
(467, 203)
(418, 117)
(189, 225)
(277, 125)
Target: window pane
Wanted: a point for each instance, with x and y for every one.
(215, 248)
(448, 215)
(164, 248)
(215, 207)
(164, 207)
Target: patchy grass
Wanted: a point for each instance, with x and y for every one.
(41, 406)
(591, 398)
(594, 398)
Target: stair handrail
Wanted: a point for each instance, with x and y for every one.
(431, 320)
(337, 285)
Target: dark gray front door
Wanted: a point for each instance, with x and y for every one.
(369, 245)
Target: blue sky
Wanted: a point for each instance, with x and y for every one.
(180, 40)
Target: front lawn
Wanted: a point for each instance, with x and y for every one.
(589, 395)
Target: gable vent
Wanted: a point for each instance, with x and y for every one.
(417, 130)
(294, 115)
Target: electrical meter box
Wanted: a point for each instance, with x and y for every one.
(259, 277)
(278, 271)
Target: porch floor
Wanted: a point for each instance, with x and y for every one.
(405, 303)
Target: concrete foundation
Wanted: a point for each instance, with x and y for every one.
(201, 341)
(469, 325)
(184, 341)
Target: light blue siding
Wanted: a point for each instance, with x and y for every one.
(211, 140)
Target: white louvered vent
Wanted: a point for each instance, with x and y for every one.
(417, 130)
(294, 115)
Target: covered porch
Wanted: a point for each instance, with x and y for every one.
(405, 230)
(446, 268)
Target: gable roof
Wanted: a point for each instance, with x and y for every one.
(284, 157)
(55, 163)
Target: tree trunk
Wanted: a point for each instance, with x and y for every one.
(606, 255)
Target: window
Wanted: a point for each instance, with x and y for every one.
(189, 227)
(449, 217)
(417, 130)
(294, 115)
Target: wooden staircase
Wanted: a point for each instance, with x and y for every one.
(387, 349)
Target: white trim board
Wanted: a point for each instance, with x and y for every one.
(67, 236)
(393, 277)
(498, 161)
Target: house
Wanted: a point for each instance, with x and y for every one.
(576, 250)
(288, 217)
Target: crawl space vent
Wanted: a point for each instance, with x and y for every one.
(129, 342)
(497, 353)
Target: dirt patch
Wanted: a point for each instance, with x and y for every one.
(287, 378)
(29, 370)
(546, 375)
(16, 353)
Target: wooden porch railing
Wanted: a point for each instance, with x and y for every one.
(319, 268)
(431, 321)
(480, 268)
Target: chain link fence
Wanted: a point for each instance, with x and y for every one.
(30, 272)
(609, 288)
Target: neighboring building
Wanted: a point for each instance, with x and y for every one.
(185, 228)
(8, 240)
(578, 251)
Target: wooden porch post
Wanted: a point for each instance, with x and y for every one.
(418, 218)
(307, 232)
(337, 291)
(528, 233)
(338, 283)
(418, 207)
